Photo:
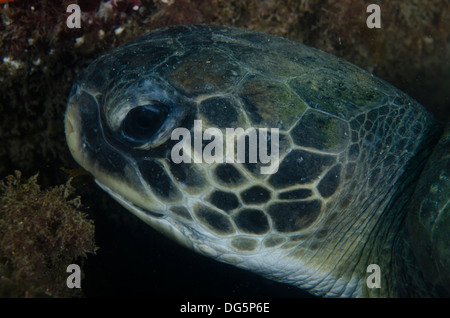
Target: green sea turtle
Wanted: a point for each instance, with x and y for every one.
(357, 202)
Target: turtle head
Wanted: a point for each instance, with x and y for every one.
(325, 198)
(137, 133)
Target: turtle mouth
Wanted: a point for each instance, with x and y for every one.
(158, 221)
(141, 212)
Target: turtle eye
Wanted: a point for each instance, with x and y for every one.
(142, 123)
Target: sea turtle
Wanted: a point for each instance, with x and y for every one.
(356, 203)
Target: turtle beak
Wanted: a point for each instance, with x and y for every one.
(82, 127)
(72, 128)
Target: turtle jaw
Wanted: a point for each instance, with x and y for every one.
(157, 221)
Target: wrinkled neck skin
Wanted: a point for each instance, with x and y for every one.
(389, 243)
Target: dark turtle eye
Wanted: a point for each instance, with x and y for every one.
(143, 122)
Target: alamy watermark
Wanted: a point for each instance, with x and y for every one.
(74, 19)
(74, 279)
(374, 279)
(374, 19)
(214, 151)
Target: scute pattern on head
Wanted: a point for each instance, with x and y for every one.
(345, 138)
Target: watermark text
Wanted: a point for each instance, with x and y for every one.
(214, 151)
